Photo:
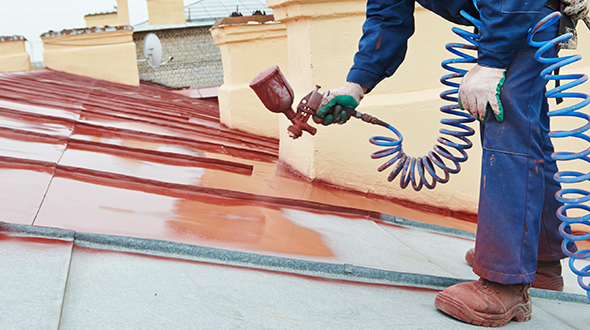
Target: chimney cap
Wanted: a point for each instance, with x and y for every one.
(98, 14)
(68, 32)
(12, 38)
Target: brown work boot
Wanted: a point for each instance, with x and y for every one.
(486, 303)
(547, 277)
(470, 257)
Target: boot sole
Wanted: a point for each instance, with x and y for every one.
(456, 309)
(548, 283)
(540, 282)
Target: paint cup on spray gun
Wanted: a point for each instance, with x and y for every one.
(276, 94)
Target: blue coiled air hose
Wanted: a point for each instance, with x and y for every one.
(573, 199)
(425, 165)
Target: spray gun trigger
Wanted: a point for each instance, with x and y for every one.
(352, 112)
(325, 95)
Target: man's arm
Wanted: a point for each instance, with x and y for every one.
(383, 46)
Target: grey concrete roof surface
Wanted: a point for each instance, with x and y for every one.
(58, 279)
(134, 208)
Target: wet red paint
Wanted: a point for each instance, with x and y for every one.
(98, 157)
(115, 158)
(109, 135)
(138, 209)
(378, 43)
(24, 145)
(22, 188)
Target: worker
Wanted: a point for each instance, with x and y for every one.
(517, 233)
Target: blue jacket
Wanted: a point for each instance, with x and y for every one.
(390, 23)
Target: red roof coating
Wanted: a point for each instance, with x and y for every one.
(98, 157)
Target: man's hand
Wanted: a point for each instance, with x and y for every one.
(480, 90)
(331, 110)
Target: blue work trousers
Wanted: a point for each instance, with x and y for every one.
(517, 224)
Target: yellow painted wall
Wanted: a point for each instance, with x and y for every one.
(13, 56)
(246, 50)
(123, 12)
(165, 11)
(321, 37)
(118, 18)
(322, 40)
(107, 19)
(107, 55)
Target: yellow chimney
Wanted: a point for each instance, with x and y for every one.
(13, 56)
(101, 20)
(165, 11)
(115, 18)
(123, 12)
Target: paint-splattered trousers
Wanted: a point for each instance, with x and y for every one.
(517, 223)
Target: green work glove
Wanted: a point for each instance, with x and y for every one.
(480, 91)
(332, 111)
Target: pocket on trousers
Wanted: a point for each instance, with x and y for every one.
(518, 7)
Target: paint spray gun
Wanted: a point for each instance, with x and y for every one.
(277, 96)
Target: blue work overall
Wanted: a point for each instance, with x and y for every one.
(517, 204)
(517, 223)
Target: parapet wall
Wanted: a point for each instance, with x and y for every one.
(322, 38)
(249, 45)
(103, 53)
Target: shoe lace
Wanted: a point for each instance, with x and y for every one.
(485, 285)
(523, 288)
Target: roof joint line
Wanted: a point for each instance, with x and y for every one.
(65, 291)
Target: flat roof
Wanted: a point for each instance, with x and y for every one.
(140, 195)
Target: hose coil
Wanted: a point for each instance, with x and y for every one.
(572, 198)
(425, 166)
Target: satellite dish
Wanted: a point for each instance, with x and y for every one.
(152, 50)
